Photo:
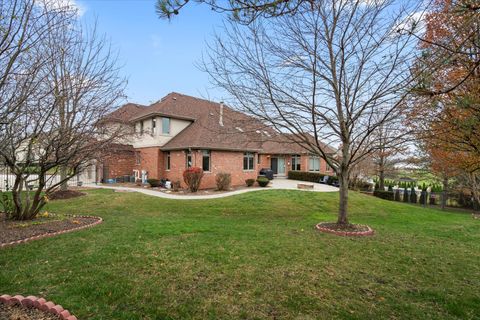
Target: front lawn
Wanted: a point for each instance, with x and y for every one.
(253, 256)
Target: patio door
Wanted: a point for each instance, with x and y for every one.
(281, 166)
(277, 165)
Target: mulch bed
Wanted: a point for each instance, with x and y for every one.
(345, 229)
(18, 312)
(19, 230)
(67, 194)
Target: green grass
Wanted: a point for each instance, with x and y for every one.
(253, 256)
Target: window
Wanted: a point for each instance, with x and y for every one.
(258, 159)
(154, 125)
(206, 160)
(296, 166)
(248, 161)
(189, 162)
(137, 157)
(166, 125)
(167, 160)
(314, 163)
(141, 126)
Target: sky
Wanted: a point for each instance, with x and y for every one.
(157, 56)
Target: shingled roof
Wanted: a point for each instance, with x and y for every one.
(125, 113)
(213, 129)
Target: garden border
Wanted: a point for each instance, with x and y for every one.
(38, 303)
(48, 235)
(369, 232)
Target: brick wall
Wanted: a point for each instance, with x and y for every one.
(118, 163)
(220, 161)
(150, 161)
(304, 166)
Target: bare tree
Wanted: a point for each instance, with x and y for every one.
(244, 11)
(333, 73)
(58, 127)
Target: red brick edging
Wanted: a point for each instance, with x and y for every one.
(369, 232)
(38, 303)
(47, 235)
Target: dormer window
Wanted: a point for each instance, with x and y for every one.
(165, 125)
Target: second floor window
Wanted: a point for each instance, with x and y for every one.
(248, 161)
(206, 160)
(166, 125)
(154, 125)
(141, 126)
(296, 166)
(314, 163)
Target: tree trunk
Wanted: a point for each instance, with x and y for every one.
(444, 192)
(63, 176)
(343, 208)
(475, 191)
(381, 178)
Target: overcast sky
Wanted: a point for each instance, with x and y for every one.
(158, 56)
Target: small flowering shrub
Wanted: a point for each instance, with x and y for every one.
(223, 181)
(192, 178)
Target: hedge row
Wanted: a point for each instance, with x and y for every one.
(311, 177)
(387, 195)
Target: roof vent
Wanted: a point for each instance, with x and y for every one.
(174, 98)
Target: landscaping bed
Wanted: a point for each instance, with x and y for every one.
(345, 229)
(18, 312)
(65, 194)
(45, 225)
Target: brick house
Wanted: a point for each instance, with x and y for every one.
(180, 131)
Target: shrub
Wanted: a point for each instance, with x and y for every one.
(397, 195)
(176, 185)
(305, 176)
(433, 199)
(192, 178)
(423, 197)
(405, 195)
(390, 188)
(332, 180)
(263, 181)
(250, 182)
(413, 196)
(387, 195)
(153, 183)
(223, 181)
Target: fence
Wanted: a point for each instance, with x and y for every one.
(434, 199)
(87, 177)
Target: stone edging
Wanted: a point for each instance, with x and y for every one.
(369, 232)
(38, 303)
(48, 235)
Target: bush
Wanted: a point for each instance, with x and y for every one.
(397, 195)
(405, 195)
(390, 188)
(332, 180)
(433, 199)
(250, 182)
(387, 195)
(305, 176)
(223, 181)
(423, 197)
(153, 183)
(263, 182)
(176, 185)
(413, 196)
(192, 178)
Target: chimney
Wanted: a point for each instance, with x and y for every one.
(220, 120)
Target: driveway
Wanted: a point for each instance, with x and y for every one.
(276, 184)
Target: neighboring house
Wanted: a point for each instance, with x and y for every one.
(180, 131)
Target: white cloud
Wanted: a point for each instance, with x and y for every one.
(67, 4)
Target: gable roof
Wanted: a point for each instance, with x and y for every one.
(212, 128)
(125, 112)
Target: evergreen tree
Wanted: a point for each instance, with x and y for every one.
(413, 196)
(405, 194)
